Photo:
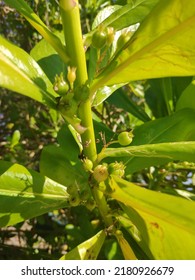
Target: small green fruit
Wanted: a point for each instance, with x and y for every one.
(99, 39)
(125, 138)
(87, 164)
(100, 173)
(60, 85)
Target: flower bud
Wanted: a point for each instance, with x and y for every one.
(117, 169)
(100, 173)
(71, 75)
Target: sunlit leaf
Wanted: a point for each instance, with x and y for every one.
(169, 151)
(129, 14)
(126, 248)
(161, 42)
(19, 72)
(22, 7)
(103, 93)
(87, 250)
(166, 223)
(26, 194)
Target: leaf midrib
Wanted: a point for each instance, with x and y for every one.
(24, 194)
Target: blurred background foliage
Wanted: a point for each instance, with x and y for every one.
(26, 126)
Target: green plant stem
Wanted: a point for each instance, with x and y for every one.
(74, 46)
(102, 205)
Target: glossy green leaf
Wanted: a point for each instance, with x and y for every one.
(87, 250)
(187, 98)
(177, 128)
(19, 72)
(129, 14)
(157, 94)
(161, 42)
(25, 194)
(166, 223)
(184, 151)
(48, 58)
(105, 14)
(56, 165)
(103, 93)
(121, 100)
(22, 7)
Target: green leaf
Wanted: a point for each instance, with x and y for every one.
(177, 128)
(26, 194)
(68, 143)
(183, 151)
(19, 72)
(166, 223)
(87, 250)
(56, 165)
(157, 94)
(103, 93)
(121, 100)
(125, 248)
(159, 97)
(187, 98)
(161, 42)
(22, 7)
(129, 14)
(48, 58)
(105, 14)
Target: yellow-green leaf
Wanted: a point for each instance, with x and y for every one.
(36, 22)
(87, 250)
(166, 223)
(164, 45)
(19, 72)
(126, 248)
(26, 194)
